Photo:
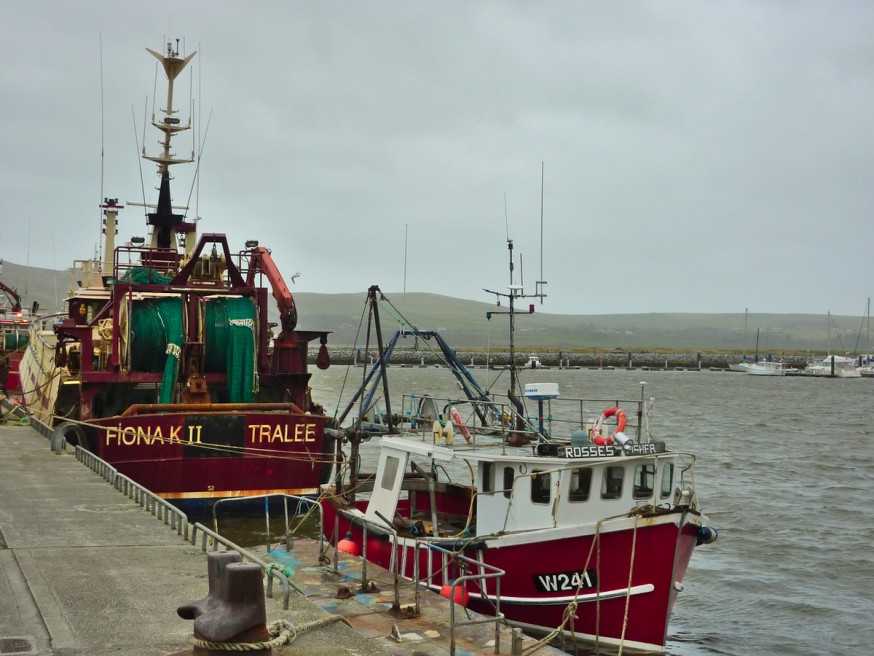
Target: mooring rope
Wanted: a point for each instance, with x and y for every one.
(628, 593)
(283, 630)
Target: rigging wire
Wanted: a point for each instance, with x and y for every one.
(102, 151)
(140, 159)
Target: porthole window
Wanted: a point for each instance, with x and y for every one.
(541, 487)
(611, 484)
(644, 481)
(667, 480)
(581, 485)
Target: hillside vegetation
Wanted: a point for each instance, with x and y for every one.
(464, 325)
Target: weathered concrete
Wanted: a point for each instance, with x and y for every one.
(84, 570)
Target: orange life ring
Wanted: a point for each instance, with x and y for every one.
(621, 421)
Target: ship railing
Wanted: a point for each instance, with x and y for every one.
(492, 418)
(128, 258)
(297, 504)
(44, 323)
(553, 417)
(481, 572)
(147, 500)
(178, 521)
(85, 273)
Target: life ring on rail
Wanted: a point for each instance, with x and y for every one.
(621, 420)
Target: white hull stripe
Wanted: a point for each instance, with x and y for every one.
(564, 601)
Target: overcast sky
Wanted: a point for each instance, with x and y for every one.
(698, 156)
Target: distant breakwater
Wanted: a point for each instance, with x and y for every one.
(625, 359)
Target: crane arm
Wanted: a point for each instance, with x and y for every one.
(13, 296)
(262, 261)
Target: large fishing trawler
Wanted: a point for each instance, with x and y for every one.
(165, 364)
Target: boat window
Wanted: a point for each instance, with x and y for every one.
(488, 472)
(581, 485)
(391, 470)
(644, 481)
(509, 476)
(541, 487)
(611, 484)
(667, 479)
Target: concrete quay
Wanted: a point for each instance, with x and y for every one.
(85, 570)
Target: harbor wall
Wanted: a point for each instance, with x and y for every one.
(411, 357)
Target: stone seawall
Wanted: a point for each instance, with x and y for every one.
(346, 356)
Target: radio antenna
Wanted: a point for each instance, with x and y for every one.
(102, 155)
(506, 218)
(538, 287)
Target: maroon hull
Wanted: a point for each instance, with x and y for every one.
(543, 577)
(216, 455)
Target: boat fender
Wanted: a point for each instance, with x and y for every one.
(448, 433)
(347, 545)
(707, 535)
(67, 432)
(461, 595)
(437, 430)
(621, 421)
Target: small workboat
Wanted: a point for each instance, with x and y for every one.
(577, 526)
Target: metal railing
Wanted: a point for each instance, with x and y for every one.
(178, 521)
(298, 501)
(566, 414)
(210, 540)
(480, 577)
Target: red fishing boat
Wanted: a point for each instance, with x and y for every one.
(14, 329)
(166, 365)
(582, 534)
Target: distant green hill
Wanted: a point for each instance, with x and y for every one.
(464, 324)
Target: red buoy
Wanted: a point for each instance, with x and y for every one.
(346, 545)
(461, 595)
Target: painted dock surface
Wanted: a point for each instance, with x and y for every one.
(370, 612)
(86, 570)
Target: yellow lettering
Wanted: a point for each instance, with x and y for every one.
(144, 434)
(277, 434)
(174, 434)
(129, 441)
(113, 434)
(263, 432)
(191, 438)
(305, 433)
(252, 431)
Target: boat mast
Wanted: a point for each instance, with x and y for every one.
(165, 224)
(515, 292)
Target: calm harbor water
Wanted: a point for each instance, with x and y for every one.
(785, 467)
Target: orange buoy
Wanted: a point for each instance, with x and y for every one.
(347, 545)
(461, 595)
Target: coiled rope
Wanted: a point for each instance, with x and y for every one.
(284, 633)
